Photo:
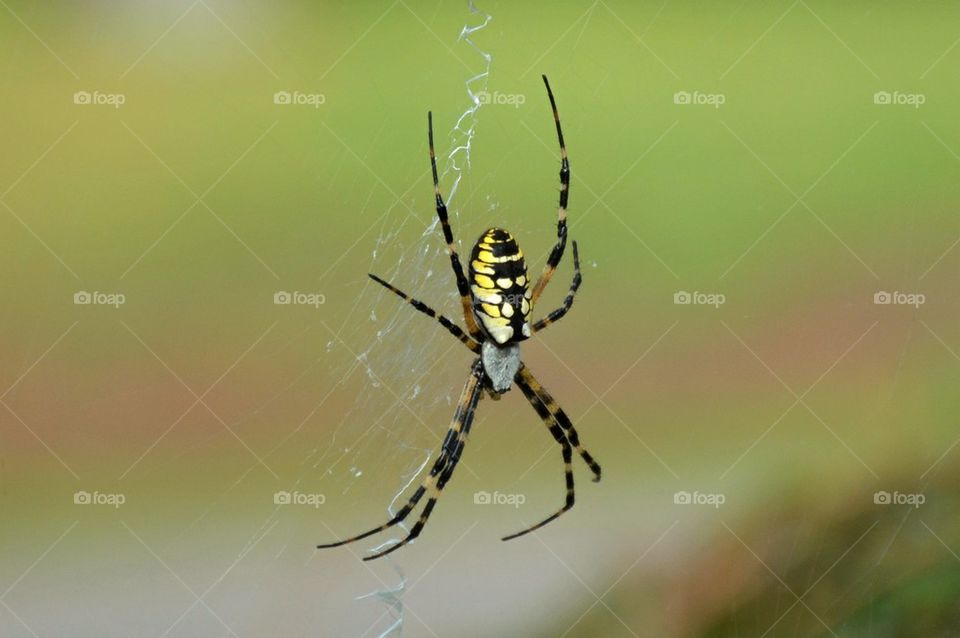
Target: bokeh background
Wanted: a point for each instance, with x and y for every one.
(815, 165)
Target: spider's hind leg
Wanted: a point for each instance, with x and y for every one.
(463, 287)
(557, 253)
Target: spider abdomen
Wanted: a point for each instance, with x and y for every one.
(500, 287)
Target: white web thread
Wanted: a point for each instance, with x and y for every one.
(457, 160)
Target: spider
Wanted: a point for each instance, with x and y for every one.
(497, 302)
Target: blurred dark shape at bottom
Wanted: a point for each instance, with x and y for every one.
(878, 559)
(865, 563)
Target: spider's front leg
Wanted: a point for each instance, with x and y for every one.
(563, 432)
(457, 436)
(441, 471)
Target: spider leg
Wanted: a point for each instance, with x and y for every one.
(562, 310)
(557, 253)
(567, 451)
(404, 511)
(463, 288)
(463, 419)
(451, 327)
(525, 378)
(463, 415)
(562, 430)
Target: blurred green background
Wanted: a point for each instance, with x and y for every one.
(814, 166)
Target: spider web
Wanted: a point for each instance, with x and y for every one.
(404, 374)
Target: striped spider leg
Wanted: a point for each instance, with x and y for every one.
(451, 327)
(463, 288)
(557, 253)
(563, 432)
(555, 316)
(442, 469)
(497, 302)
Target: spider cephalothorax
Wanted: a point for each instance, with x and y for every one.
(497, 301)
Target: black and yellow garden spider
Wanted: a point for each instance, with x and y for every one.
(498, 294)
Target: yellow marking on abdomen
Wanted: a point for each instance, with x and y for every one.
(491, 310)
(479, 266)
(489, 258)
(486, 296)
(484, 281)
